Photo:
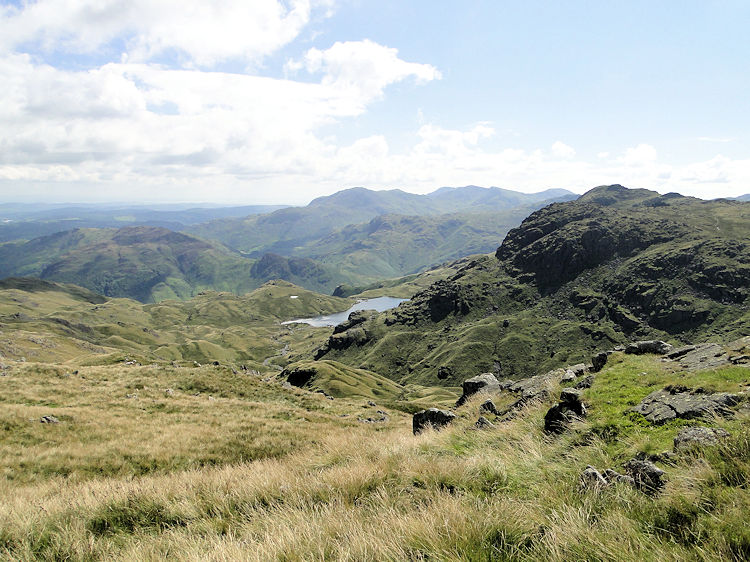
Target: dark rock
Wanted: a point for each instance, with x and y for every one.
(690, 437)
(444, 372)
(592, 480)
(483, 423)
(299, 376)
(646, 475)
(48, 419)
(382, 418)
(598, 361)
(355, 318)
(585, 382)
(488, 406)
(215, 363)
(484, 382)
(371, 403)
(432, 417)
(678, 402)
(650, 346)
(568, 409)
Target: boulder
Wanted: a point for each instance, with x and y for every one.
(598, 361)
(613, 477)
(678, 402)
(488, 406)
(48, 419)
(657, 347)
(483, 423)
(432, 417)
(568, 409)
(484, 382)
(579, 369)
(568, 376)
(645, 474)
(691, 437)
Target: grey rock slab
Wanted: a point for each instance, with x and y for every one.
(485, 382)
(690, 437)
(664, 405)
(657, 347)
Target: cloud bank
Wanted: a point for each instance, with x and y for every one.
(119, 99)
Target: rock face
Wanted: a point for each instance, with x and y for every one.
(690, 437)
(569, 408)
(678, 402)
(646, 475)
(650, 346)
(486, 382)
(432, 417)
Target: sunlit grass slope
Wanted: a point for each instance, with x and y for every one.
(330, 488)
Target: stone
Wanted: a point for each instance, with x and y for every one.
(444, 372)
(678, 402)
(483, 423)
(568, 409)
(646, 475)
(432, 417)
(592, 480)
(614, 477)
(371, 403)
(657, 347)
(598, 361)
(488, 406)
(703, 356)
(585, 382)
(168, 392)
(680, 351)
(579, 369)
(569, 376)
(48, 419)
(484, 382)
(690, 437)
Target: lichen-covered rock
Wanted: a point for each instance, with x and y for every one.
(592, 480)
(432, 417)
(690, 437)
(484, 382)
(678, 402)
(646, 475)
(650, 346)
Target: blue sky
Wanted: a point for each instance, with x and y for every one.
(271, 101)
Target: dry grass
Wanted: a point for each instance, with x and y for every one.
(348, 491)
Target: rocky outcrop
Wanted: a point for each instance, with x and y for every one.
(568, 409)
(299, 376)
(650, 346)
(350, 332)
(489, 407)
(679, 402)
(692, 437)
(703, 356)
(485, 382)
(598, 361)
(432, 417)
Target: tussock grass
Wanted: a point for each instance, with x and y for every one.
(349, 491)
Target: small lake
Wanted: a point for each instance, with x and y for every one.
(380, 304)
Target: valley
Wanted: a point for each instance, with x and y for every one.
(167, 408)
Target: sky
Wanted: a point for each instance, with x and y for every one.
(281, 101)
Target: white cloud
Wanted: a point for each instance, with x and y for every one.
(641, 155)
(202, 32)
(362, 67)
(562, 150)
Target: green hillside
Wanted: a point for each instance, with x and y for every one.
(574, 278)
(151, 264)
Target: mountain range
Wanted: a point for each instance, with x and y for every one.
(319, 246)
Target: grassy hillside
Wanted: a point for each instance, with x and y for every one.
(152, 264)
(574, 278)
(201, 464)
(49, 322)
